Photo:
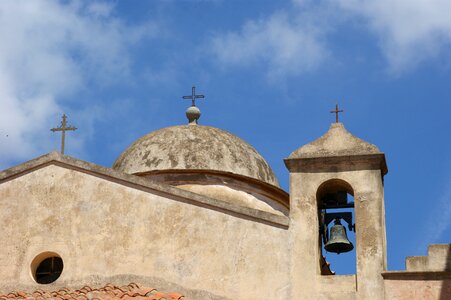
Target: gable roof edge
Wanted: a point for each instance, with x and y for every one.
(143, 184)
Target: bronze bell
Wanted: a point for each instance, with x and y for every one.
(338, 241)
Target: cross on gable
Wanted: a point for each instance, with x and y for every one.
(63, 128)
(336, 111)
(193, 96)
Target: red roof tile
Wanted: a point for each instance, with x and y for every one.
(126, 292)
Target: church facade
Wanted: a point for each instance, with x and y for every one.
(196, 210)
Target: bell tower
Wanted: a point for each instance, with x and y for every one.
(322, 173)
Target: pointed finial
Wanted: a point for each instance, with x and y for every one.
(193, 113)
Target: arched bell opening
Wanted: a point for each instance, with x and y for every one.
(335, 198)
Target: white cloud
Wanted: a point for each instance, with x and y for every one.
(100, 9)
(409, 31)
(48, 51)
(284, 44)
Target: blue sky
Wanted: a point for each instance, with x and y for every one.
(271, 72)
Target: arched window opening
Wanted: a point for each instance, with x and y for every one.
(337, 229)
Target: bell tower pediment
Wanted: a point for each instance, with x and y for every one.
(337, 141)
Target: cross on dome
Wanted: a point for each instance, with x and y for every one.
(193, 113)
(193, 96)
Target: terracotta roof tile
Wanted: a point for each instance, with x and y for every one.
(127, 292)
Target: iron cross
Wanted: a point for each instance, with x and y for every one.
(193, 96)
(63, 128)
(336, 111)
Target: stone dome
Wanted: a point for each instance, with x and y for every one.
(194, 147)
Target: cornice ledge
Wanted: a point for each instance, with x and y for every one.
(338, 163)
(416, 275)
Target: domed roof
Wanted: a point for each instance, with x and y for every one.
(194, 147)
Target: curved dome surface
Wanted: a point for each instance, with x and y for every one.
(194, 147)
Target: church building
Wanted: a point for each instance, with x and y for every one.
(195, 212)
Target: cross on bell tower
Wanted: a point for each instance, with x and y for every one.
(63, 128)
(336, 111)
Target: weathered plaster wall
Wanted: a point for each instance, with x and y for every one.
(418, 289)
(425, 277)
(103, 229)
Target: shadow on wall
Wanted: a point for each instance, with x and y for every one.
(445, 293)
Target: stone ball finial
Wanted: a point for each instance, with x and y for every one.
(193, 114)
